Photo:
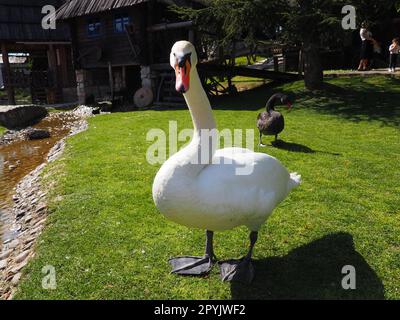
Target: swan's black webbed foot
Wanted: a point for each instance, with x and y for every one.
(196, 266)
(237, 270)
(240, 270)
(192, 266)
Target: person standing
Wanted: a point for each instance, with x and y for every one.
(394, 50)
(366, 47)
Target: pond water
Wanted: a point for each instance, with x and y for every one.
(20, 157)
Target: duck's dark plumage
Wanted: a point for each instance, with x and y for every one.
(271, 122)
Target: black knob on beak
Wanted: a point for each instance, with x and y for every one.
(182, 60)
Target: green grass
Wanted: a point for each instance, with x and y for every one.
(245, 83)
(2, 130)
(242, 61)
(106, 239)
(337, 71)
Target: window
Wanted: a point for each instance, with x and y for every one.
(94, 28)
(120, 22)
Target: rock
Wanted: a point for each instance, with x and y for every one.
(18, 267)
(96, 111)
(41, 208)
(13, 117)
(105, 106)
(5, 254)
(36, 230)
(16, 278)
(3, 264)
(21, 257)
(20, 214)
(37, 134)
(28, 246)
(13, 244)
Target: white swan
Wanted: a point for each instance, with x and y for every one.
(213, 196)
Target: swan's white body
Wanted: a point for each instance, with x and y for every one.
(213, 196)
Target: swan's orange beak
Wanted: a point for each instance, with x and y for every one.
(182, 73)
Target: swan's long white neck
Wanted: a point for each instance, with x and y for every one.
(199, 105)
(204, 142)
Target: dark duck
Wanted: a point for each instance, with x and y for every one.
(271, 122)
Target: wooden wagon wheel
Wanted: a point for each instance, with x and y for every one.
(214, 87)
(143, 97)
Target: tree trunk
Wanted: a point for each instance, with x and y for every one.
(301, 63)
(313, 74)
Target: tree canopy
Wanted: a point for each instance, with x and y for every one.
(306, 23)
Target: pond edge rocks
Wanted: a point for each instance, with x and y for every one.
(25, 220)
(13, 117)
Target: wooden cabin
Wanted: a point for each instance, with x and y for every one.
(51, 77)
(121, 46)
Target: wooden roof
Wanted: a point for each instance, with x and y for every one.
(21, 21)
(77, 8)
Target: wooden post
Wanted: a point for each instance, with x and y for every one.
(111, 79)
(7, 75)
(276, 63)
(124, 77)
(191, 36)
(52, 59)
(150, 36)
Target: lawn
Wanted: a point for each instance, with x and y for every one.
(2, 130)
(106, 239)
(245, 83)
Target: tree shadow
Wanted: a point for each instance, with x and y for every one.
(312, 271)
(356, 102)
(252, 99)
(296, 147)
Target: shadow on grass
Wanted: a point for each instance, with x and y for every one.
(296, 147)
(312, 271)
(356, 101)
(252, 99)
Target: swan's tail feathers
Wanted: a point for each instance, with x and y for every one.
(294, 182)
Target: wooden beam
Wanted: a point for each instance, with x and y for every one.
(170, 26)
(220, 70)
(7, 73)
